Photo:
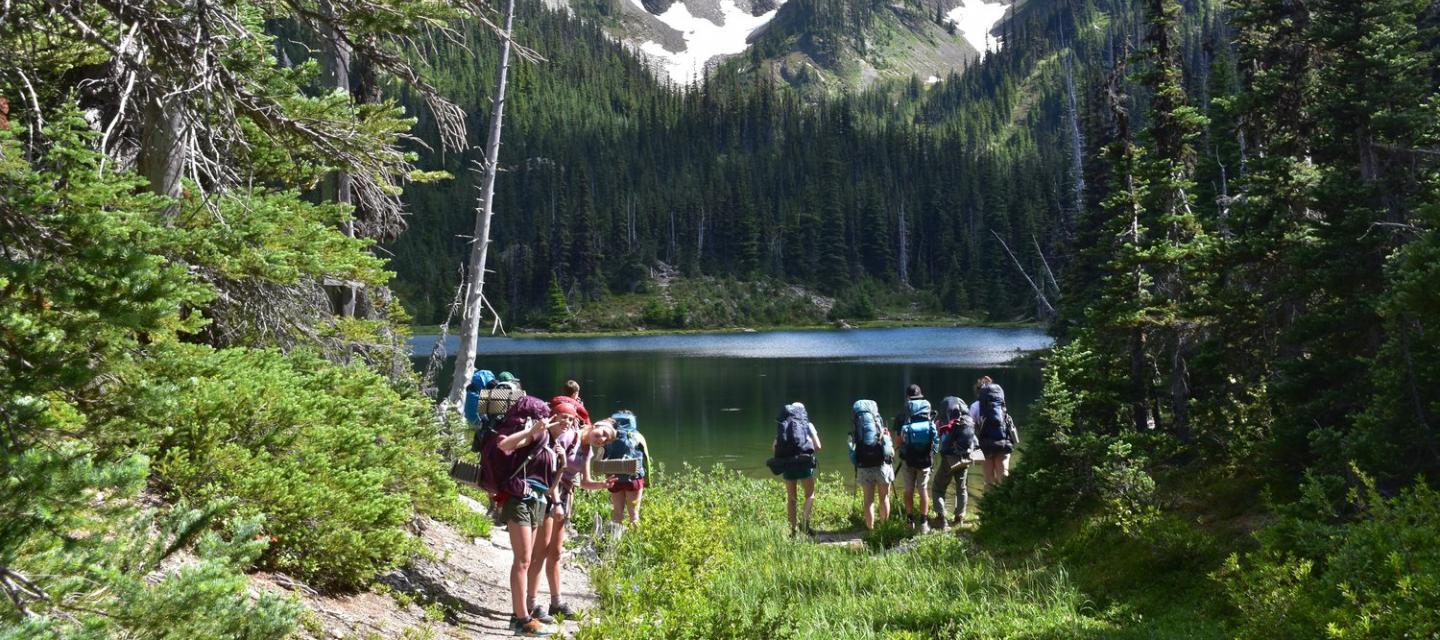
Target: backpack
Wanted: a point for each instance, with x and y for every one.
(479, 381)
(994, 425)
(918, 434)
(626, 445)
(792, 432)
(957, 428)
(867, 447)
(502, 472)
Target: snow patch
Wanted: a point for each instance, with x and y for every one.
(932, 80)
(703, 39)
(975, 19)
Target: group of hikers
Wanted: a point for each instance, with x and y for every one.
(535, 454)
(917, 435)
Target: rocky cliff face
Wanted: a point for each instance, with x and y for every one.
(831, 43)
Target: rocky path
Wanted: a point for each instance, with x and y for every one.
(459, 588)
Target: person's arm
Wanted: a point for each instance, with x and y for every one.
(587, 477)
(523, 437)
(814, 437)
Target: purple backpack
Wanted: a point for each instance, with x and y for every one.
(502, 472)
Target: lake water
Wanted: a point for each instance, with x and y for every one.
(712, 398)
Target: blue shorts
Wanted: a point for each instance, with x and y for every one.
(798, 474)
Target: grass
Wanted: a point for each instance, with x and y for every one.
(712, 559)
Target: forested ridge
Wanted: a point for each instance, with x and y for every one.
(607, 171)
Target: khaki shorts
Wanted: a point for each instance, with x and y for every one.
(883, 474)
(915, 477)
(526, 513)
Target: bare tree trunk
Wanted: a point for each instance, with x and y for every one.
(162, 149)
(904, 249)
(337, 187)
(480, 242)
(1077, 145)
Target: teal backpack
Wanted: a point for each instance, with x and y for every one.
(919, 434)
(626, 445)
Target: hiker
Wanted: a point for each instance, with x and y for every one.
(522, 453)
(957, 442)
(996, 430)
(797, 441)
(571, 394)
(573, 439)
(626, 490)
(915, 430)
(871, 452)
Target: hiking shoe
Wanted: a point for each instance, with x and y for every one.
(538, 612)
(529, 627)
(942, 525)
(561, 609)
(922, 526)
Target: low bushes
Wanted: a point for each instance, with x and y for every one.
(334, 458)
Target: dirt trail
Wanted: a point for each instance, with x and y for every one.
(467, 578)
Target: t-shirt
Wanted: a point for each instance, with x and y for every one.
(975, 411)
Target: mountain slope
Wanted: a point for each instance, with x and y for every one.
(834, 44)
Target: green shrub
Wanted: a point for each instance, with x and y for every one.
(1377, 576)
(712, 559)
(335, 458)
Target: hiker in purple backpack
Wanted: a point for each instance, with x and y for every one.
(522, 452)
(797, 439)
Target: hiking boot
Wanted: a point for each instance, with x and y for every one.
(529, 627)
(922, 526)
(942, 525)
(561, 609)
(538, 612)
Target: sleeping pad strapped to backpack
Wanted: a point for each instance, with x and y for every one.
(918, 434)
(957, 428)
(867, 443)
(502, 472)
(626, 445)
(994, 427)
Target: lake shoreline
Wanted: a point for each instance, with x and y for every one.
(429, 330)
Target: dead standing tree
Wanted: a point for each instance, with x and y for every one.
(480, 242)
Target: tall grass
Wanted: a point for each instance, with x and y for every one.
(712, 558)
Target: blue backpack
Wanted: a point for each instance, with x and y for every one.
(918, 434)
(481, 379)
(792, 432)
(994, 427)
(626, 445)
(867, 448)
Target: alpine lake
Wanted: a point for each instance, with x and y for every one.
(707, 399)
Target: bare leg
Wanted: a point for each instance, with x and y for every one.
(883, 496)
(538, 553)
(790, 503)
(617, 507)
(632, 504)
(552, 560)
(522, 541)
(1004, 467)
(809, 484)
(868, 511)
(909, 493)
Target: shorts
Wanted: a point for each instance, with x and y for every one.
(915, 477)
(883, 474)
(526, 513)
(798, 474)
(627, 485)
